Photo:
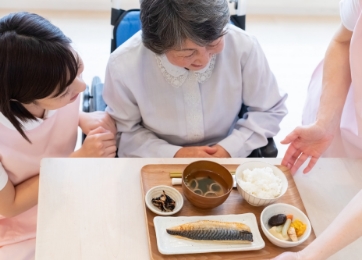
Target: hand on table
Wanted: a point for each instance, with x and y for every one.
(288, 256)
(90, 121)
(98, 143)
(196, 152)
(305, 141)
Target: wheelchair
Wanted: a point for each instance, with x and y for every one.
(125, 24)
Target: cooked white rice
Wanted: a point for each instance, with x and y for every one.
(261, 182)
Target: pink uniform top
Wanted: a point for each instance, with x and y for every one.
(54, 136)
(348, 140)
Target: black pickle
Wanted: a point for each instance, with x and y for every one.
(164, 202)
(277, 220)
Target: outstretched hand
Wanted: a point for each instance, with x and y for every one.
(305, 141)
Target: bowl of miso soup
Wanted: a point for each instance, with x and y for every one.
(206, 184)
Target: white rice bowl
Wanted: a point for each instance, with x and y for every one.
(260, 183)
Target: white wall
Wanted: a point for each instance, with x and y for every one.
(292, 7)
(313, 7)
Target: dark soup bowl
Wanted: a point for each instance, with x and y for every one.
(206, 184)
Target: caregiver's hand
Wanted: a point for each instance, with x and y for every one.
(92, 120)
(305, 141)
(98, 143)
(196, 152)
(288, 256)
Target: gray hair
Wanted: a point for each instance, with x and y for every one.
(166, 24)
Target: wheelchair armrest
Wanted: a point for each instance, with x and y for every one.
(97, 103)
(270, 150)
(93, 99)
(86, 99)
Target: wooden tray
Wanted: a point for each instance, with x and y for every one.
(158, 174)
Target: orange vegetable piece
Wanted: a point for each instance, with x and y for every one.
(299, 227)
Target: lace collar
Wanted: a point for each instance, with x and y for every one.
(176, 76)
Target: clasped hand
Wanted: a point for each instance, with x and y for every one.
(90, 121)
(215, 151)
(101, 135)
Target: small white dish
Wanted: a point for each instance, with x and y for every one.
(169, 245)
(157, 191)
(282, 208)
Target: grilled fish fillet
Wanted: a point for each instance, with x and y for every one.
(213, 230)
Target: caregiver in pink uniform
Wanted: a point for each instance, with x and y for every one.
(40, 83)
(333, 115)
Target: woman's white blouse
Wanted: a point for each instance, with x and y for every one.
(350, 11)
(160, 108)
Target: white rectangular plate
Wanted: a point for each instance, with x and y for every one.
(169, 245)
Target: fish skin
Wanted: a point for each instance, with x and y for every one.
(213, 230)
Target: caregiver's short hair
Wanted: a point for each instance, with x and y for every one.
(166, 24)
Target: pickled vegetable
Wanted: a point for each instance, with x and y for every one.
(274, 231)
(164, 202)
(277, 220)
(286, 227)
(292, 234)
(279, 228)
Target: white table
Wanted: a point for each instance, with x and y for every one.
(75, 194)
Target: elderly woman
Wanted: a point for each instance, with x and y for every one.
(175, 88)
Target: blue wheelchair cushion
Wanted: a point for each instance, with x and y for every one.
(128, 26)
